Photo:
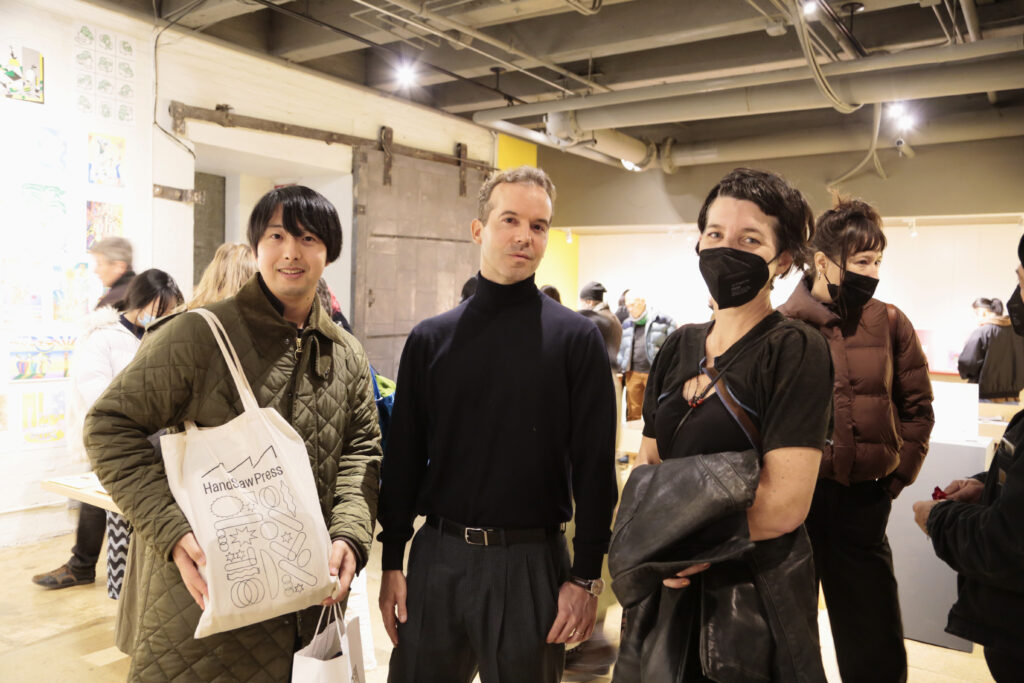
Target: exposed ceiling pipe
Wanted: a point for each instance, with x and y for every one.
(974, 32)
(564, 132)
(1004, 73)
(985, 125)
(930, 55)
(420, 10)
(837, 29)
(539, 138)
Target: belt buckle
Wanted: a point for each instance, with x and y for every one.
(475, 530)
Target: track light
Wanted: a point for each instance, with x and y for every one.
(895, 110)
(406, 75)
(810, 7)
(905, 122)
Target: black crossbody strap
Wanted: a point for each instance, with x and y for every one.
(738, 412)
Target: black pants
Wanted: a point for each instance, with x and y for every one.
(1005, 667)
(92, 522)
(854, 566)
(475, 608)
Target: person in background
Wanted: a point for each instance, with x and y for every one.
(332, 305)
(107, 344)
(622, 312)
(749, 379)
(643, 333)
(552, 292)
(993, 357)
(232, 266)
(976, 529)
(113, 256)
(498, 468)
(594, 656)
(300, 364)
(468, 289)
(883, 420)
(594, 308)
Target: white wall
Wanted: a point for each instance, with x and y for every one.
(932, 277)
(196, 71)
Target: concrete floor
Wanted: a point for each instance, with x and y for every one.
(68, 635)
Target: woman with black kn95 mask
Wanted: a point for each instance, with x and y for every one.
(710, 557)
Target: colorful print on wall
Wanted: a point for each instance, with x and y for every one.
(106, 159)
(71, 293)
(43, 416)
(40, 357)
(102, 220)
(21, 74)
(105, 72)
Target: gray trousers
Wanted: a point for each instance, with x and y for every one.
(480, 609)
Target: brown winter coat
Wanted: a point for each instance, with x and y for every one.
(882, 396)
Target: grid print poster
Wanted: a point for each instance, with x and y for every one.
(105, 75)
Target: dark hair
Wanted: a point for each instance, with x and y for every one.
(776, 198)
(148, 286)
(301, 208)
(552, 292)
(849, 227)
(622, 297)
(993, 305)
(468, 289)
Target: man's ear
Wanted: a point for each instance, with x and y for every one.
(475, 228)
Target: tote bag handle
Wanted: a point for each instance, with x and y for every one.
(230, 358)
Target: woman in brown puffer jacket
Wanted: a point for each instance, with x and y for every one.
(883, 419)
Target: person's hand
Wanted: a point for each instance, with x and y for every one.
(964, 490)
(343, 565)
(393, 592)
(577, 614)
(922, 509)
(189, 557)
(648, 452)
(681, 581)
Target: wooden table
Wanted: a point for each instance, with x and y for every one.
(83, 487)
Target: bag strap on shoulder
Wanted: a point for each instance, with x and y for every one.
(738, 412)
(231, 358)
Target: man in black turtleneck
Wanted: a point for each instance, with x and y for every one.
(505, 420)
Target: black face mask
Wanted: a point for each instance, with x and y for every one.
(856, 291)
(734, 277)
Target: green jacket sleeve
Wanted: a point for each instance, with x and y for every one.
(152, 392)
(358, 483)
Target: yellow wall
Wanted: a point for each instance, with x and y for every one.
(561, 261)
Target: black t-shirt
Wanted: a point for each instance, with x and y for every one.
(780, 373)
(709, 428)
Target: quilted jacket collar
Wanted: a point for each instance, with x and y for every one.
(268, 327)
(803, 306)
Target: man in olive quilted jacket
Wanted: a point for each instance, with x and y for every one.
(300, 363)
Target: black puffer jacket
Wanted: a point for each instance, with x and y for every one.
(993, 358)
(984, 543)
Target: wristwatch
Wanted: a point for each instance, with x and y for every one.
(592, 586)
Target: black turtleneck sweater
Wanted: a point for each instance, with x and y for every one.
(504, 416)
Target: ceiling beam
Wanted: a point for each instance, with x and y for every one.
(209, 12)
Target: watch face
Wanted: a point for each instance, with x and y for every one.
(596, 586)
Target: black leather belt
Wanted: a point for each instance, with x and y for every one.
(492, 536)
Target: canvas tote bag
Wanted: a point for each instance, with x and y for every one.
(247, 490)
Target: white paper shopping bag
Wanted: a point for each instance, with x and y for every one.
(247, 490)
(335, 655)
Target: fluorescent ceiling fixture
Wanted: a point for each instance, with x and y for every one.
(406, 75)
(629, 165)
(810, 7)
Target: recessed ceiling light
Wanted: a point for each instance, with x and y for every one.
(406, 75)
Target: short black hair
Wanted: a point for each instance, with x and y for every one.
(148, 286)
(552, 292)
(776, 198)
(301, 208)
